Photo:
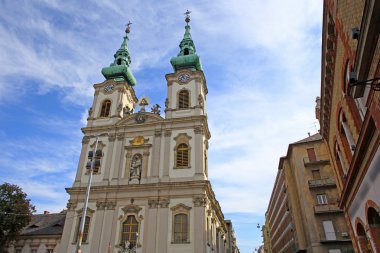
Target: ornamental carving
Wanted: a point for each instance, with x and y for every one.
(168, 133)
(71, 205)
(198, 130)
(85, 140)
(101, 205)
(111, 137)
(152, 203)
(157, 133)
(140, 118)
(164, 203)
(120, 136)
(131, 209)
(180, 208)
(199, 201)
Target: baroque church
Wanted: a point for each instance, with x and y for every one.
(149, 178)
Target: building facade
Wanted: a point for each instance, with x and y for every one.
(350, 113)
(150, 190)
(303, 213)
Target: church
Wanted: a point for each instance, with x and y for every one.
(149, 175)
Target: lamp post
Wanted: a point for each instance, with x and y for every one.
(83, 219)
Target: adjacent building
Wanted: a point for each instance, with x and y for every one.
(303, 213)
(349, 112)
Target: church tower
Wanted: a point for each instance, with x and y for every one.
(150, 191)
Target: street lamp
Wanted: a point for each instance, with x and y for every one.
(83, 219)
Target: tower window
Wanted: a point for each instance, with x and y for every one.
(180, 228)
(106, 106)
(130, 230)
(183, 99)
(182, 155)
(186, 51)
(85, 230)
(118, 61)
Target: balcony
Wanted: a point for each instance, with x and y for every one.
(318, 160)
(335, 237)
(323, 182)
(327, 208)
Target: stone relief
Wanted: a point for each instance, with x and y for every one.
(90, 112)
(127, 111)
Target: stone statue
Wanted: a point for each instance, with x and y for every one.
(90, 112)
(136, 164)
(127, 111)
(166, 104)
(200, 100)
(156, 109)
(127, 248)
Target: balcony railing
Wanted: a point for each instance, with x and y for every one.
(335, 236)
(321, 159)
(327, 181)
(327, 208)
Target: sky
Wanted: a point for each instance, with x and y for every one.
(261, 59)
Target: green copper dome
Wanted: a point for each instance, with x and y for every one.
(187, 57)
(119, 69)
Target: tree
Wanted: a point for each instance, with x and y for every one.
(15, 213)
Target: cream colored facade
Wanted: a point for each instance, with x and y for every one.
(161, 189)
(303, 213)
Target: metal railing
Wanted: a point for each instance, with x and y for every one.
(316, 159)
(327, 181)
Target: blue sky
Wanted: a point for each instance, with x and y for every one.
(261, 60)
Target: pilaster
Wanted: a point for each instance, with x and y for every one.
(199, 224)
(167, 134)
(163, 221)
(117, 165)
(156, 150)
(198, 151)
(151, 227)
(108, 164)
(82, 159)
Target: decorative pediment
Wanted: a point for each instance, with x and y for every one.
(131, 209)
(89, 210)
(180, 208)
(140, 118)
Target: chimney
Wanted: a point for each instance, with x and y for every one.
(46, 212)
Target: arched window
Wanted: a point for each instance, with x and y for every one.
(364, 242)
(345, 131)
(186, 51)
(182, 155)
(374, 226)
(183, 99)
(130, 230)
(180, 228)
(85, 229)
(106, 106)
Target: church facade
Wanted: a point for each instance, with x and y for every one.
(150, 190)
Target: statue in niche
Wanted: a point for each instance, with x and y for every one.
(127, 111)
(156, 109)
(166, 104)
(136, 166)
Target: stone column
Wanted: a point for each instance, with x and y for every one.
(108, 165)
(163, 227)
(199, 236)
(156, 153)
(82, 160)
(118, 157)
(69, 223)
(108, 228)
(127, 164)
(151, 228)
(198, 151)
(145, 161)
(99, 217)
(167, 150)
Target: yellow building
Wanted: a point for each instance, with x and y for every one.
(303, 213)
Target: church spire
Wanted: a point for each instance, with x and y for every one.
(119, 69)
(187, 57)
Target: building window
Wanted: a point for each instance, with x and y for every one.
(49, 251)
(329, 230)
(182, 155)
(322, 199)
(33, 251)
(18, 251)
(311, 154)
(106, 106)
(180, 228)
(345, 131)
(130, 230)
(183, 99)
(98, 156)
(85, 229)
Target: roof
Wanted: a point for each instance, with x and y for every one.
(314, 137)
(45, 224)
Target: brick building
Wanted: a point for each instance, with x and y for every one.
(349, 112)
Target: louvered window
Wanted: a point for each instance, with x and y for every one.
(183, 99)
(106, 106)
(85, 229)
(182, 155)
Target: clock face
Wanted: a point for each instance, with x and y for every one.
(109, 87)
(184, 78)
